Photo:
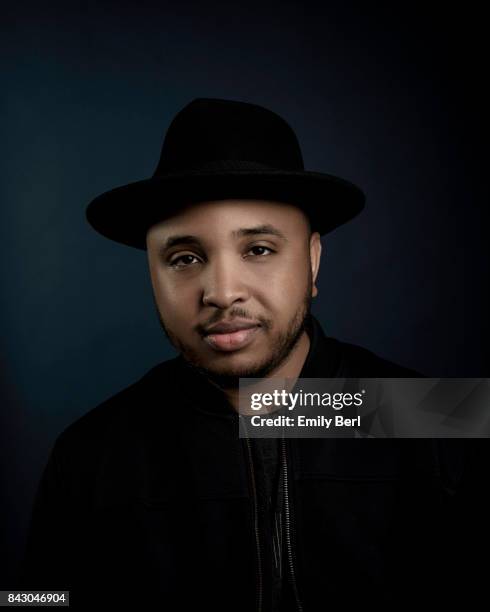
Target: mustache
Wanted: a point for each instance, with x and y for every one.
(234, 313)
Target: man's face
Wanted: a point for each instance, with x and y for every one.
(242, 262)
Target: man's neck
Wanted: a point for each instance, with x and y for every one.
(290, 368)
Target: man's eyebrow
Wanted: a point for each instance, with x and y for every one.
(177, 240)
(259, 229)
(182, 239)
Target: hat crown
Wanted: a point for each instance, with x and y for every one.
(217, 149)
(210, 132)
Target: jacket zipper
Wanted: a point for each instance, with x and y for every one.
(287, 526)
(256, 526)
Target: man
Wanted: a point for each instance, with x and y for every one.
(151, 499)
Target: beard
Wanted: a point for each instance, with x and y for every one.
(228, 377)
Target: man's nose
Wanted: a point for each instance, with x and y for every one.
(223, 283)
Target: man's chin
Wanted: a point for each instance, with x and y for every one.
(229, 378)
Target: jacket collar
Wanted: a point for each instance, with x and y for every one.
(323, 358)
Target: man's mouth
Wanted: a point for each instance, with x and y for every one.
(231, 336)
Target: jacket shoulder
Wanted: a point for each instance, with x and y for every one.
(357, 361)
(106, 432)
(119, 409)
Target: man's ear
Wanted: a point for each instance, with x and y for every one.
(315, 254)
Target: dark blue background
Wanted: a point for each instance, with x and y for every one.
(390, 97)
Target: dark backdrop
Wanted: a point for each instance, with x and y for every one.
(390, 97)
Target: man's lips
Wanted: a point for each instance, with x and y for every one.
(231, 336)
(227, 327)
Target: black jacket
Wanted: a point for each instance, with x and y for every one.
(148, 499)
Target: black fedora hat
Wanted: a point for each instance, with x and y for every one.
(224, 149)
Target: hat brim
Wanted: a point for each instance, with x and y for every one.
(125, 214)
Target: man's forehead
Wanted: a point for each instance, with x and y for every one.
(235, 218)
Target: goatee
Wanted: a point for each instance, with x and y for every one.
(283, 346)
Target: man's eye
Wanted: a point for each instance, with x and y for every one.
(254, 248)
(184, 261)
